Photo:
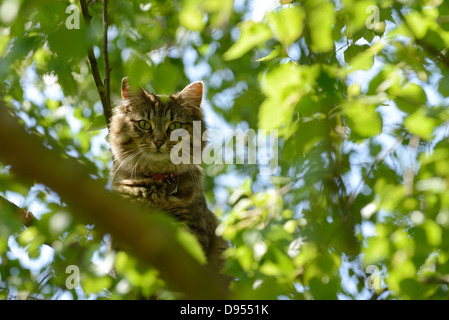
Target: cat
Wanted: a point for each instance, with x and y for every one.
(139, 137)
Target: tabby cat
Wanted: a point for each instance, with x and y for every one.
(139, 136)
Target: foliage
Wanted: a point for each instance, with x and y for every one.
(360, 106)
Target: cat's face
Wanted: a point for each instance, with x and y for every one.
(141, 126)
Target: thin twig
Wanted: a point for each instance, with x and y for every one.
(409, 174)
(94, 66)
(376, 295)
(92, 2)
(107, 69)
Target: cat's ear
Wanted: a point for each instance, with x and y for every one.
(125, 88)
(192, 95)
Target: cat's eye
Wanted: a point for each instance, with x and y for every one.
(145, 125)
(175, 125)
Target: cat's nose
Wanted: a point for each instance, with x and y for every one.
(158, 142)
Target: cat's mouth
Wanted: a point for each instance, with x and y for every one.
(158, 154)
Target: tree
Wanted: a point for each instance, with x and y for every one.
(356, 206)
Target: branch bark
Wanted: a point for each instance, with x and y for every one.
(102, 90)
(151, 237)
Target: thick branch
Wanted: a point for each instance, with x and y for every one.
(94, 67)
(150, 237)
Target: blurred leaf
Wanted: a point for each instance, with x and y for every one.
(252, 35)
(191, 15)
(98, 123)
(359, 57)
(273, 54)
(191, 244)
(320, 20)
(287, 24)
(421, 125)
(362, 119)
(68, 44)
(167, 78)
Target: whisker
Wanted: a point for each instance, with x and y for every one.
(130, 155)
(134, 169)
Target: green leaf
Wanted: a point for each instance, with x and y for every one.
(320, 20)
(409, 97)
(219, 11)
(309, 134)
(376, 250)
(283, 81)
(93, 285)
(433, 232)
(68, 44)
(418, 123)
(418, 23)
(325, 288)
(287, 23)
(415, 290)
(273, 54)
(191, 15)
(282, 86)
(138, 70)
(272, 114)
(190, 243)
(98, 123)
(357, 14)
(359, 57)
(167, 78)
(444, 85)
(252, 35)
(362, 119)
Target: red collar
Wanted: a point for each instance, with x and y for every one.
(163, 176)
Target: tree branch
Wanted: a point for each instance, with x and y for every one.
(107, 69)
(25, 217)
(102, 90)
(151, 237)
(436, 280)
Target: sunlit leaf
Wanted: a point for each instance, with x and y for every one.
(252, 35)
(418, 123)
(287, 23)
(320, 20)
(273, 54)
(191, 15)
